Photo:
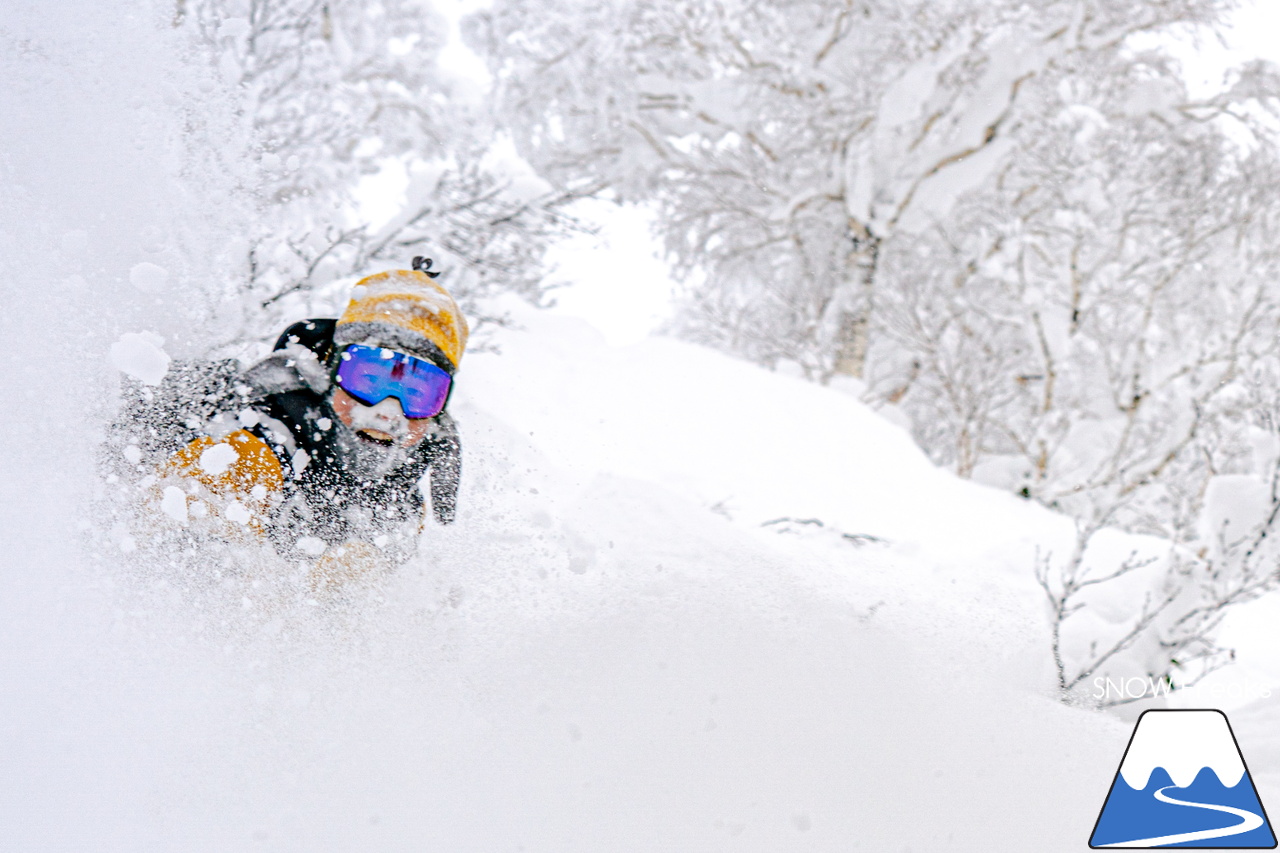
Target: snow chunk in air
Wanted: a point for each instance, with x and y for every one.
(237, 512)
(141, 355)
(149, 277)
(174, 504)
(217, 459)
(310, 545)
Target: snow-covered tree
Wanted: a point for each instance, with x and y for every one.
(1011, 220)
(1087, 331)
(790, 144)
(330, 93)
(1115, 271)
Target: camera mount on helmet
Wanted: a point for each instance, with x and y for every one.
(423, 264)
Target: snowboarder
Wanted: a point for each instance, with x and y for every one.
(332, 433)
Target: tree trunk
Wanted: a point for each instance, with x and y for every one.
(854, 307)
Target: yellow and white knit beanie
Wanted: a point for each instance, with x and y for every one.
(405, 310)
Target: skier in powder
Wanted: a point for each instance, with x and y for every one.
(325, 447)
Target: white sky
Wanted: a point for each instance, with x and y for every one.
(616, 279)
(1252, 34)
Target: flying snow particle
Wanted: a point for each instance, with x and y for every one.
(217, 459)
(237, 512)
(133, 454)
(310, 545)
(140, 355)
(174, 504)
(149, 277)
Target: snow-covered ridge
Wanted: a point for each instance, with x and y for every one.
(1183, 743)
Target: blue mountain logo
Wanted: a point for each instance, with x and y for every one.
(1183, 783)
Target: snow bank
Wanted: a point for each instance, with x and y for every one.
(764, 444)
(593, 658)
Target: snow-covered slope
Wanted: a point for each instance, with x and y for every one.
(607, 652)
(761, 444)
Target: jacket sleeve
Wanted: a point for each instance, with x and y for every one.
(446, 469)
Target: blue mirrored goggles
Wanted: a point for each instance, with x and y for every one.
(372, 374)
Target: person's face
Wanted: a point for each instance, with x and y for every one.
(382, 424)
